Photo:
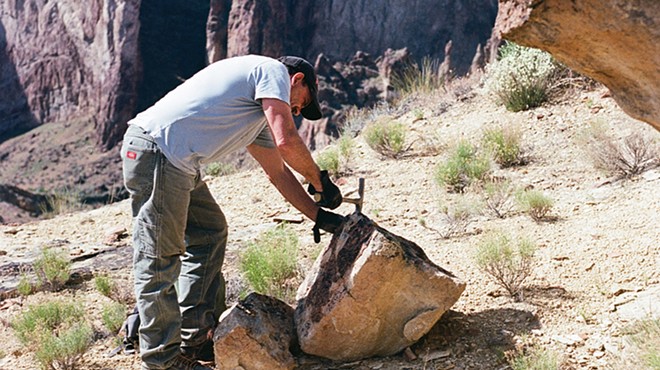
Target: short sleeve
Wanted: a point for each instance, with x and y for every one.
(264, 139)
(271, 80)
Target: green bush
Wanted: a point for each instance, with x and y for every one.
(56, 332)
(507, 262)
(216, 169)
(104, 285)
(328, 159)
(24, 287)
(535, 204)
(504, 144)
(386, 137)
(113, 316)
(521, 78)
(270, 263)
(462, 167)
(52, 269)
(336, 157)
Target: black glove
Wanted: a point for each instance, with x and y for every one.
(327, 221)
(330, 197)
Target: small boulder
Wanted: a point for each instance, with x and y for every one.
(370, 293)
(256, 333)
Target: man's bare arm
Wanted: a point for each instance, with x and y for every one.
(284, 180)
(289, 144)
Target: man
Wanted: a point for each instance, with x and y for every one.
(179, 232)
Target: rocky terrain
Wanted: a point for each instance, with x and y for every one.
(597, 264)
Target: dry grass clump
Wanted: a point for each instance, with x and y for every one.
(463, 167)
(336, 158)
(52, 269)
(623, 158)
(536, 204)
(508, 262)
(504, 143)
(386, 136)
(56, 332)
(419, 79)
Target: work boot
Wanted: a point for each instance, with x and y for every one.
(202, 352)
(180, 362)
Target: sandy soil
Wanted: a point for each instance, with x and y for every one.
(594, 262)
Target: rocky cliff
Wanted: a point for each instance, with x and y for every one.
(108, 59)
(66, 60)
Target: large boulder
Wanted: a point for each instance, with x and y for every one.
(370, 293)
(614, 42)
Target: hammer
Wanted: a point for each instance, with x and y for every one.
(360, 199)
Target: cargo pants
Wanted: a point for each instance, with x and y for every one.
(179, 240)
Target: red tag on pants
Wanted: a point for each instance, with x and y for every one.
(131, 155)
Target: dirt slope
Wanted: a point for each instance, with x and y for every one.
(601, 252)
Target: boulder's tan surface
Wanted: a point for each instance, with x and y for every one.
(614, 42)
(370, 293)
(256, 333)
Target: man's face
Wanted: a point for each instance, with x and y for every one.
(300, 95)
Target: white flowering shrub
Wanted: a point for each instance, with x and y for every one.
(521, 77)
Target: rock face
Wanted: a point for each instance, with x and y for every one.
(256, 333)
(64, 60)
(371, 293)
(614, 42)
(67, 60)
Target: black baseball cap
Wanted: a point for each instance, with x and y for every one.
(313, 110)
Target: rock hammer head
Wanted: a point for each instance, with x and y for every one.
(360, 199)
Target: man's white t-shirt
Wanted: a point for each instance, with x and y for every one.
(217, 111)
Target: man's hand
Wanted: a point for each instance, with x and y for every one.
(330, 197)
(327, 221)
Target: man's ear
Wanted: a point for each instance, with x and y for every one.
(297, 78)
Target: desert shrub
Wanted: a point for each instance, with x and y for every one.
(498, 197)
(270, 262)
(386, 137)
(113, 316)
(24, 287)
(463, 166)
(457, 218)
(536, 204)
(643, 338)
(505, 146)
(216, 169)
(56, 332)
(521, 78)
(535, 358)
(419, 79)
(356, 119)
(328, 159)
(624, 158)
(117, 292)
(104, 285)
(52, 269)
(508, 262)
(336, 157)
